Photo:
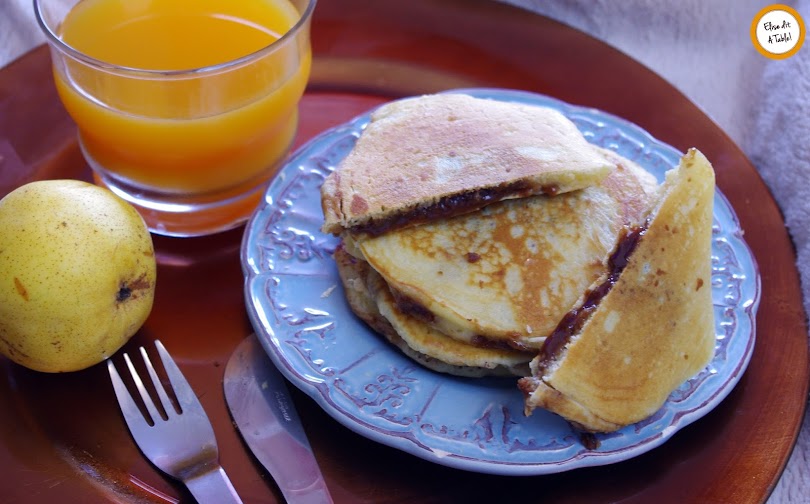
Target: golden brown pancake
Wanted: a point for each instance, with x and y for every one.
(369, 298)
(652, 330)
(435, 156)
(509, 272)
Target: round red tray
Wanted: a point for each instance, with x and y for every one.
(62, 438)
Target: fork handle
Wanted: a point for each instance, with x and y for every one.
(213, 487)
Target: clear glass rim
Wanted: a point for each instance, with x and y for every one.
(66, 48)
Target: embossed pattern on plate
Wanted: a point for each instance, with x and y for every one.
(296, 304)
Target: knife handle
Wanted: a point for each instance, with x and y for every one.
(315, 494)
(213, 487)
(295, 468)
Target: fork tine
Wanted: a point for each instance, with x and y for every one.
(147, 400)
(128, 406)
(168, 407)
(182, 390)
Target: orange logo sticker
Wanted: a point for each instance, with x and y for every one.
(777, 31)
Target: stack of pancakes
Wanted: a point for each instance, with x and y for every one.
(490, 238)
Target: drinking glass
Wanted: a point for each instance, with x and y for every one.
(171, 116)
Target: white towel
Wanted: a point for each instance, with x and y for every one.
(18, 29)
(780, 149)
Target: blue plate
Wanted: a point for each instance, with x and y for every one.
(296, 304)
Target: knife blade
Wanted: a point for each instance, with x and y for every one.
(261, 406)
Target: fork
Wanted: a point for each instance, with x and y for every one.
(183, 444)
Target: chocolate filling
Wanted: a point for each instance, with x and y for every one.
(573, 321)
(454, 205)
(482, 341)
(413, 308)
(410, 306)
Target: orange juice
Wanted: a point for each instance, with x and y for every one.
(186, 115)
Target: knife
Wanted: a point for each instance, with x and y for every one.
(261, 406)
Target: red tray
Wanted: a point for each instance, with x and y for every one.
(62, 438)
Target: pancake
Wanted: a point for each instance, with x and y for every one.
(507, 274)
(369, 298)
(435, 156)
(646, 327)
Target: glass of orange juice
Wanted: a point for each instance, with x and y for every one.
(185, 108)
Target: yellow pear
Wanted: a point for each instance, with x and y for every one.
(77, 274)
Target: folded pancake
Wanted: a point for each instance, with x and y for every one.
(431, 157)
(370, 299)
(504, 276)
(647, 326)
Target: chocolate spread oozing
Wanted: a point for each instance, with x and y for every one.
(453, 205)
(573, 321)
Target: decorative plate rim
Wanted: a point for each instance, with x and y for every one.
(592, 122)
